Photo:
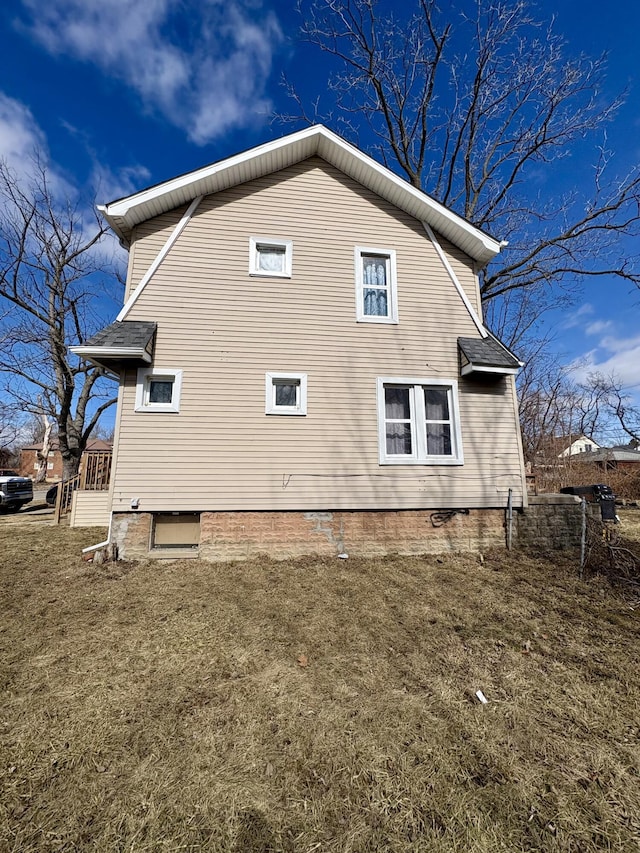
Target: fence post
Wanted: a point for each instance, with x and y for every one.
(57, 512)
(583, 538)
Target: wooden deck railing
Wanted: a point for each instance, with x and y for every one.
(64, 496)
(94, 475)
(95, 471)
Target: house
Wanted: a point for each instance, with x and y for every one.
(303, 366)
(572, 445)
(29, 463)
(610, 458)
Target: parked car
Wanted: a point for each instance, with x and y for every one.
(15, 491)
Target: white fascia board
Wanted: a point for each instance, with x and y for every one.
(123, 214)
(471, 368)
(111, 352)
(432, 211)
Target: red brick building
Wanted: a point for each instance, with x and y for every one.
(29, 458)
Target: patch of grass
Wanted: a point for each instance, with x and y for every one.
(313, 705)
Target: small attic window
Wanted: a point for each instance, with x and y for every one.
(270, 257)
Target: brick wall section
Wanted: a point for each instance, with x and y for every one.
(549, 523)
(131, 533)
(284, 535)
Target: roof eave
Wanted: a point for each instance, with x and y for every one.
(484, 368)
(113, 359)
(125, 213)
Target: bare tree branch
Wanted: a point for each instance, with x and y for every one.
(49, 278)
(470, 101)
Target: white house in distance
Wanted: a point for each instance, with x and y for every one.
(303, 365)
(581, 444)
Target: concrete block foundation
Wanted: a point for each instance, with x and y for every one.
(550, 522)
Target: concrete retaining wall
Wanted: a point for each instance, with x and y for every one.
(549, 523)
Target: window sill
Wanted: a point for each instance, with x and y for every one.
(426, 462)
(158, 410)
(186, 553)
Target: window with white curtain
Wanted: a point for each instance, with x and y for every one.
(376, 296)
(270, 257)
(419, 422)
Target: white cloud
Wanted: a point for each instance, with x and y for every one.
(619, 357)
(109, 184)
(20, 135)
(22, 139)
(202, 65)
(598, 327)
(577, 317)
(23, 144)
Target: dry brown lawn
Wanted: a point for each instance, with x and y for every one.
(315, 705)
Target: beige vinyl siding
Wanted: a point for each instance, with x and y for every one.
(148, 239)
(89, 509)
(225, 330)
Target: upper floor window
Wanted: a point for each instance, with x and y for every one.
(376, 292)
(418, 422)
(270, 257)
(158, 390)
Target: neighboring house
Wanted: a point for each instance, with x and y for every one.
(609, 458)
(580, 444)
(303, 366)
(29, 458)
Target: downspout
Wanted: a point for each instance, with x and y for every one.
(104, 544)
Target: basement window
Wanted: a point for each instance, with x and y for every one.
(176, 530)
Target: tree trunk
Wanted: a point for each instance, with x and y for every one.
(43, 455)
(70, 462)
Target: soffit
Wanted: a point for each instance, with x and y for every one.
(125, 213)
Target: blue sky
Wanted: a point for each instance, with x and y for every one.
(126, 93)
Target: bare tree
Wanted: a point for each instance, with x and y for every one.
(471, 102)
(48, 282)
(617, 403)
(554, 408)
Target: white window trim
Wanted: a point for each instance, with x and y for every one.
(419, 455)
(392, 289)
(277, 242)
(142, 389)
(270, 397)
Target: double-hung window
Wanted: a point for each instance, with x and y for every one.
(419, 422)
(158, 390)
(270, 257)
(376, 292)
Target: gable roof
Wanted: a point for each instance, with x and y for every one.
(125, 213)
